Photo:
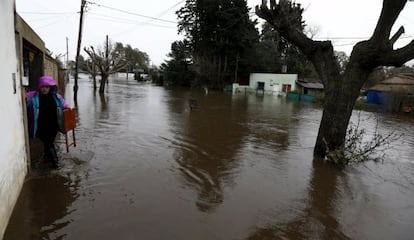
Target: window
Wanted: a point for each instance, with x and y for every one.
(286, 88)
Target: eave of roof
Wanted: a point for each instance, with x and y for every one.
(313, 85)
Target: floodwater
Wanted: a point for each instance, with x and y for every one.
(238, 167)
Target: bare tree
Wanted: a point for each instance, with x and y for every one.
(107, 60)
(93, 71)
(341, 89)
(312, 31)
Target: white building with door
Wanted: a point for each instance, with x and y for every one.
(273, 83)
(13, 150)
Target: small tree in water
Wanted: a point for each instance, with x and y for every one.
(341, 89)
(93, 71)
(107, 60)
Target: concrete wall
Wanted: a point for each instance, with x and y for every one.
(27, 33)
(29, 41)
(51, 68)
(273, 82)
(13, 158)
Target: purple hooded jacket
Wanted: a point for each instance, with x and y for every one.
(33, 104)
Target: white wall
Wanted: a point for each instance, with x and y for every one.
(13, 160)
(273, 82)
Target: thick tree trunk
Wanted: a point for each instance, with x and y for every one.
(341, 91)
(340, 98)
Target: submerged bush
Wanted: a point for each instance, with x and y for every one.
(357, 148)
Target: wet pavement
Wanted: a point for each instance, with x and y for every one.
(238, 167)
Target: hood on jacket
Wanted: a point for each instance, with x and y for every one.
(46, 81)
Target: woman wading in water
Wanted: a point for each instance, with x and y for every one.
(45, 114)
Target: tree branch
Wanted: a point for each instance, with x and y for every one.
(397, 35)
(286, 18)
(399, 56)
(389, 14)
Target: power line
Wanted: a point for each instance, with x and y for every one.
(131, 13)
(153, 18)
(124, 20)
(167, 10)
(353, 43)
(355, 38)
(51, 13)
(108, 19)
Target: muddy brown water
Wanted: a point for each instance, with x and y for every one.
(238, 167)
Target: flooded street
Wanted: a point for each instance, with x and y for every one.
(239, 167)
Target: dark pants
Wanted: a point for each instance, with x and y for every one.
(49, 147)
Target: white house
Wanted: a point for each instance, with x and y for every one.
(276, 83)
(13, 150)
(270, 82)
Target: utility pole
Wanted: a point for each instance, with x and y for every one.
(75, 86)
(67, 60)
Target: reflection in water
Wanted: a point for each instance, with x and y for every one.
(240, 166)
(104, 100)
(207, 145)
(269, 121)
(41, 209)
(318, 220)
(323, 196)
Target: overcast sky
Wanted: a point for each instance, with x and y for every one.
(150, 25)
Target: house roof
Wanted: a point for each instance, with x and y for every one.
(401, 79)
(311, 85)
(393, 88)
(397, 83)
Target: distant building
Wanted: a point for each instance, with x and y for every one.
(270, 83)
(273, 83)
(309, 87)
(396, 92)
